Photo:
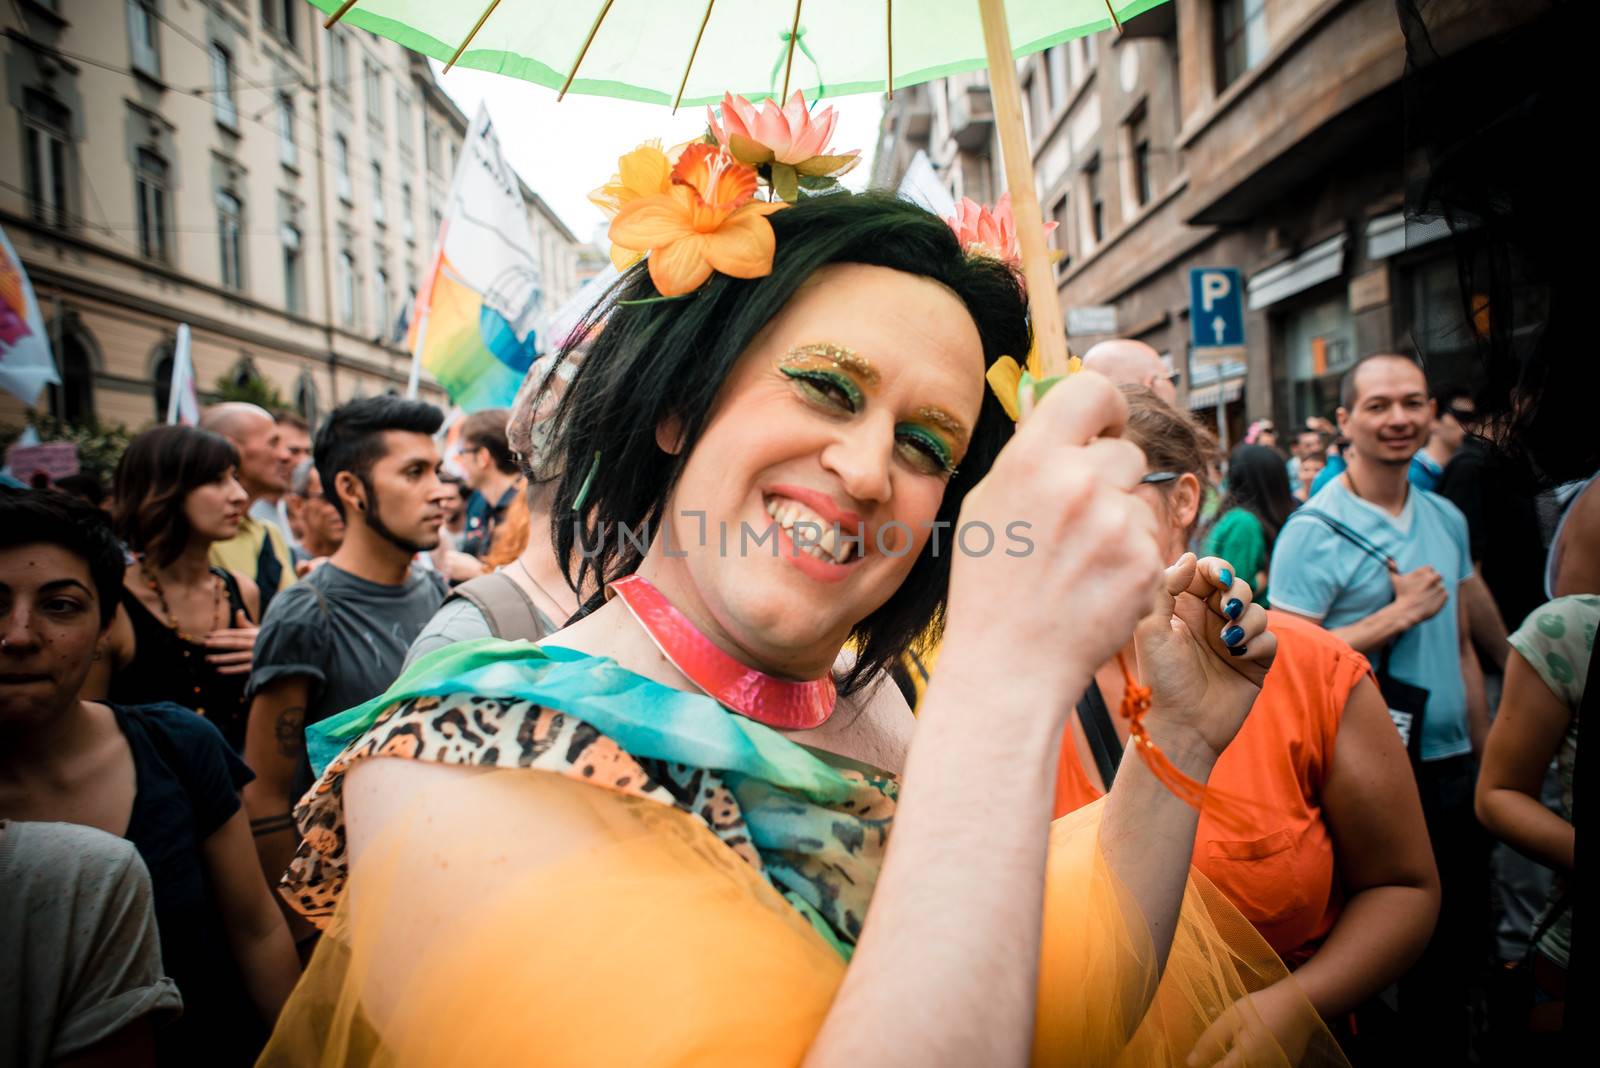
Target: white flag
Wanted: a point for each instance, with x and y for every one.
(26, 365)
(183, 406)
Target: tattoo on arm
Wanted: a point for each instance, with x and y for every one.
(290, 731)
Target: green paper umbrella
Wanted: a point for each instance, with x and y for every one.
(678, 52)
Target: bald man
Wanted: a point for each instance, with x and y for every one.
(1132, 363)
(258, 549)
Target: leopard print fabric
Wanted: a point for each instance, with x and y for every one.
(823, 858)
(489, 732)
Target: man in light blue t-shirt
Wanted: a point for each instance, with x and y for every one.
(1382, 563)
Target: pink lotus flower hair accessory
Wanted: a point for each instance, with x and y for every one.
(991, 232)
(788, 144)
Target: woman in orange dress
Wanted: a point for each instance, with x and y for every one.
(1314, 829)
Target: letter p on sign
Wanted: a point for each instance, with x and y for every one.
(1216, 308)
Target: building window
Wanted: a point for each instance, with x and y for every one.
(1095, 205)
(434, 148)
(161, 378)
(73, 400)
(408, 227)
(1091, 51)
(294, 283)
(379, 216)
(339, 63)
(1139, 155)
(49, 154)
(305, 398)
(436, 222)
(1058, 236)
(1241, 38)
(341, 168)
(374, 80)
(222, 102)
(288, 151)
(278, 17)
(380, 303)
(1031, 123)
(142, 38)
(1060, 84)
(151, 195)
(402, 120)
(230, 238)
(347, 288)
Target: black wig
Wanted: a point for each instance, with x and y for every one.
(669, 359)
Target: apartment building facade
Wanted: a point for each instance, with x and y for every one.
(232, 165)
(1264, 135)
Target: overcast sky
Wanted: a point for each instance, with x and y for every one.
(565, 150)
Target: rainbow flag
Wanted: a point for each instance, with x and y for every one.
(473, 324)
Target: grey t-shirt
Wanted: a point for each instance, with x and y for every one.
(79, 956)
(345, 635)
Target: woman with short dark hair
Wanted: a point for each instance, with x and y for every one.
(185, 629)
(751, 477)
(155, 774)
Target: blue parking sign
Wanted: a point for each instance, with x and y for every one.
(1216, 308)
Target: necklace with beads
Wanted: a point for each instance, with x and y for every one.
(185, 642)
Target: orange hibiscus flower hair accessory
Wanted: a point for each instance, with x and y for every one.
(705, 219)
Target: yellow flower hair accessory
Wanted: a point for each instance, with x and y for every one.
(1008, 380)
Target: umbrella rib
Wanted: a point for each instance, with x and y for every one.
(888, 12)
(587, 41)
(788, 64)
(1114, 20)
(337, 15)
(692, 52)
(476, 26)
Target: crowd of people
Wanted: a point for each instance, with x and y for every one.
(1308, 710)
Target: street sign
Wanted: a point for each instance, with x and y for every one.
(1092, 319)
(1216, 308)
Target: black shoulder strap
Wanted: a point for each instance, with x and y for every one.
(508, 610)
(1101, 732)
(1345, 532)
(235, 595)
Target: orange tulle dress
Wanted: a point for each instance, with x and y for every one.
(622, 873)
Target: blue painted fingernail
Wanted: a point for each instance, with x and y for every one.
(1238, 650)
(1233, 636)
(1234, 608)
(1225, 577)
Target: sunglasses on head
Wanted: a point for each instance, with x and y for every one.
(1156, 478)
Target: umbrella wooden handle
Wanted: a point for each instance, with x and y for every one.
(1044, 304)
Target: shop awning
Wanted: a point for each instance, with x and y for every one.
(1210, 385)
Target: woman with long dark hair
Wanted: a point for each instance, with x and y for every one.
(1254, 508)
(185, 629)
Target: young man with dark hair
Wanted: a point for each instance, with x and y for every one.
(491, 472)
(339, 636)
(1387, 566)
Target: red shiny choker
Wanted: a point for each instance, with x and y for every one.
(779, 703)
